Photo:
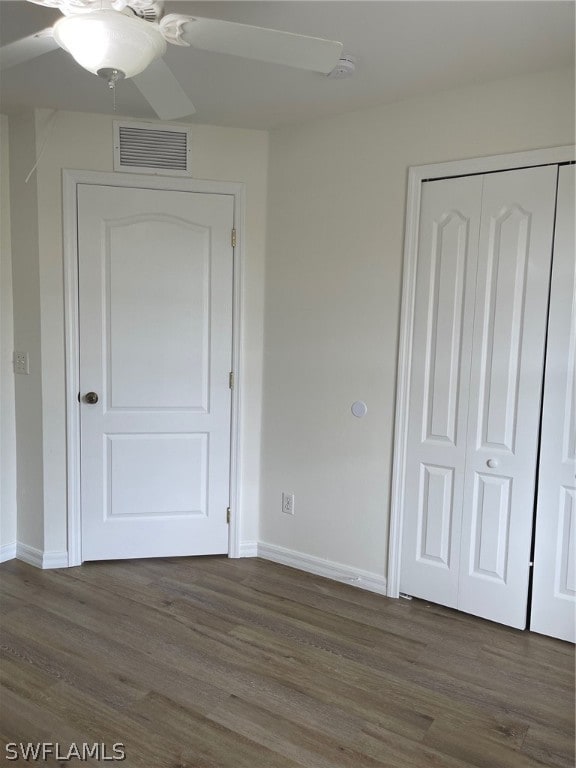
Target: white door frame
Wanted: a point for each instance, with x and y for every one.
(71, 179)
(416, 175)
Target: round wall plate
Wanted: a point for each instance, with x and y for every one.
(359, 409)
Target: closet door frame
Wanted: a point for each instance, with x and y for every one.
(416, 176)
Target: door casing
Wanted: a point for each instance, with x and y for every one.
(70, 181)
(416, 175)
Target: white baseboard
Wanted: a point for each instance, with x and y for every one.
(40, 559)
(330, 570)
(248, 549)
(336, 571)
(7, 552)
(55, 559)
(29, 555)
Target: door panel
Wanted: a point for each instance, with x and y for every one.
(514, 261)
(435, 514)
(141, 323)
(446, 296)
(506, 274)
(554, 583)
(155, 295)
(448, 246)
(156, 475)
(491, 522)
(566, 559)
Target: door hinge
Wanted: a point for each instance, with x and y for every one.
(231, 379)
(233, 238)
(228, 515)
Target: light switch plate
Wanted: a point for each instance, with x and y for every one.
(21, 363)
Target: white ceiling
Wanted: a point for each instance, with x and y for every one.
(404, 48)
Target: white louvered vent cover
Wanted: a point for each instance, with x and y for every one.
(144, 148)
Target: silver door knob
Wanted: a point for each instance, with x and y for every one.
(91, 398)
(492, 463)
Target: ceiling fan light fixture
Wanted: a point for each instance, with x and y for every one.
(109, 40)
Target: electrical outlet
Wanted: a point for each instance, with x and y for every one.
(21, 363)
(288, 503)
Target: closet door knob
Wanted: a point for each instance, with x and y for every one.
(492, 463)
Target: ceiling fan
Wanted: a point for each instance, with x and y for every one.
(118, 39)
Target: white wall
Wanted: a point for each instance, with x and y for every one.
(85, 141)
(336, 209)
(27, 331)
(7, 418)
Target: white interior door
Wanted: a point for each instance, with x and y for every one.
(512, 287)
(155, 300)
(436, 445)
(477, 360)
(554, 580)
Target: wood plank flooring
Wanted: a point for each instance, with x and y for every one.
(216, 663)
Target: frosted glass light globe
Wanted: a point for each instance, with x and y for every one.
(110, 40)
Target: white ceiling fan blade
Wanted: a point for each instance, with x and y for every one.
(164, 93)
(27, 48)
(270, 45)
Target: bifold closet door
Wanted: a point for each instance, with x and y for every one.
(554, 583)
(511, 310)
(477, 359)
(441, 357)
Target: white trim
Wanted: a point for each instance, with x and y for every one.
(29, 555)
(416, 175)
(330, 570)
(72, 364)
(490, 163)
(237, 367)
(248, 549)
(55, 559)
(40, 559)
(403, 381)
(7, 552)
(70, 181)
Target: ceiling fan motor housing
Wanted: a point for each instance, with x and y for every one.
(110, 40)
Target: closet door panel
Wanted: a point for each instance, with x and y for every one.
(554, 584)
(515, 251)
(449, 226)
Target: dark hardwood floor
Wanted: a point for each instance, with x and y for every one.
(216, 663)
